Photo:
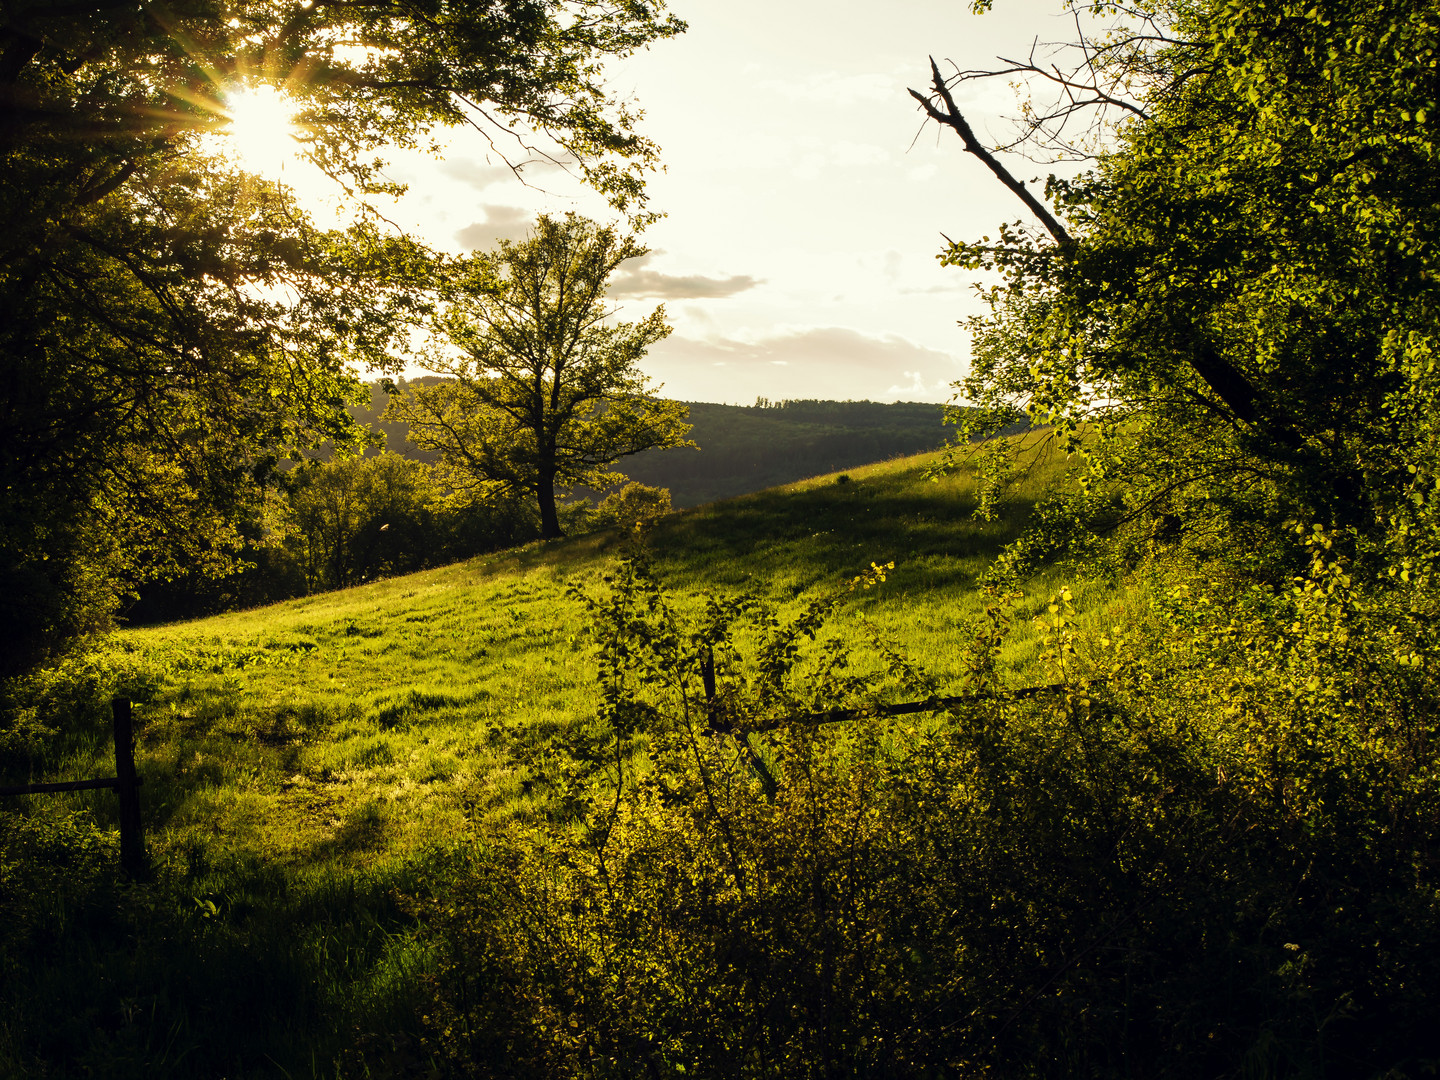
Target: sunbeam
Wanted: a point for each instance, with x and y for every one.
(261, 132)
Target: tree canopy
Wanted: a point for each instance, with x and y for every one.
(1245, 280)
(171, 328)
(545, 392)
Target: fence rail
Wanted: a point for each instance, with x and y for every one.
(124, 783)
(718, 722)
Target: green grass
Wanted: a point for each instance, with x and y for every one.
(311, 765)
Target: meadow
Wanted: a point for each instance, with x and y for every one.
(315, 769)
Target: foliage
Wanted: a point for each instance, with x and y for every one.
(357, 519)
(1243, 287)
(335, 524)
(633, 506)
(317, 771)
(1209, 856)
(170, 327)
(547, 392)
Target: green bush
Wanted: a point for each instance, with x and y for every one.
(1207, 855)
(634, 504)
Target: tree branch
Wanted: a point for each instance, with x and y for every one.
(954, 119)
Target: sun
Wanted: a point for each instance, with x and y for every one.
(261, 132)
(257, 133)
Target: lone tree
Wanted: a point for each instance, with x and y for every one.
(544, 392)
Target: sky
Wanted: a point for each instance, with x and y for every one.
(804, 199)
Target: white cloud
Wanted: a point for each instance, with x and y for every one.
(833, 362)
(501, 223)
(636, 279)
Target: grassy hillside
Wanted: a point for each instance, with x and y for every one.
(311, 768)
(748, 448)
(463, 824)
(398, 689)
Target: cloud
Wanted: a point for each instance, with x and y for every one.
(832, 362)
(635, 279)
(501, 223)
(652, 283)
(917, 390)
(483, 174)
(834, 88)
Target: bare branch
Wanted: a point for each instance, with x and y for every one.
(953, 118)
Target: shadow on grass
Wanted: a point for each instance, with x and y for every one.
(227, 965)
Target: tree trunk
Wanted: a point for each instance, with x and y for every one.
(549, 515)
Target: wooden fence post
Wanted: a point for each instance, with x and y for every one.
(127, 786)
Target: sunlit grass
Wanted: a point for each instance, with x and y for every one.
(402, 695)
(306, 764)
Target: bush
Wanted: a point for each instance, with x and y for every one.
(1207, 856)
(634, 504)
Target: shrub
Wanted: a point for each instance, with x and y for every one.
(634, 504)
(1208, 854)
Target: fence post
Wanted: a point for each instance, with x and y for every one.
(132, 838)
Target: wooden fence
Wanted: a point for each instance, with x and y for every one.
(126, 785)
(718, 722)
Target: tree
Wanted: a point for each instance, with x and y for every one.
(545, 392)
(1245, 283)
(355, 519)
(170, 329)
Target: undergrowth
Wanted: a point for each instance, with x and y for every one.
(493, 821)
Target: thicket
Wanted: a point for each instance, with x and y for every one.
(344, 522)
(1210, 853)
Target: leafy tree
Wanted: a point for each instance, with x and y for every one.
(546, 392)
(355, 519)
(1245, 283)
(171, 328)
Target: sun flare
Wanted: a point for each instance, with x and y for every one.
(261, 132)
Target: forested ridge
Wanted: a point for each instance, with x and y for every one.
(744, 448)
(1104, 741)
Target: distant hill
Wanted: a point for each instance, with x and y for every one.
(749, 448)
(745, 448)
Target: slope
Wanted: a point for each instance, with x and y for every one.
(742, 449)
(308, 764)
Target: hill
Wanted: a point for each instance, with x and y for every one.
(593, 809)
(748, 448)
(310, 764)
